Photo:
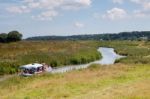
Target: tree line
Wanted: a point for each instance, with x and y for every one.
(12, 36)
(135, 35)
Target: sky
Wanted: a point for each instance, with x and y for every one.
(73, 17)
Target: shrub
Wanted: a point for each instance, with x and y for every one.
(3, 37)
(14, 36)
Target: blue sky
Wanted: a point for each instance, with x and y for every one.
(73, 17)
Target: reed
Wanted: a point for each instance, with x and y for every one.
(54, 53)
(137, 52)
(60, 53)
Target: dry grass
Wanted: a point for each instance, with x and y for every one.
(116, 81)
(135, 90)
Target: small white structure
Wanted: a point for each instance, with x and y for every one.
(35, 68)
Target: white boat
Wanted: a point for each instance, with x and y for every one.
(35, 68)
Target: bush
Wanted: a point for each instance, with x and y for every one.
(3, 37)
(8, 68)
(12, 36)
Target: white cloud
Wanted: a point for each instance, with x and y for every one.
(84, 2)
(144, 3)
(79, 25)
(118, 1)
(76, 4)
(137, 1)
(139, 14)
(16, 9)
(146, 6)
(115, 14)
(144, 11)
(48, 15)
(28, 0)
(49, 7)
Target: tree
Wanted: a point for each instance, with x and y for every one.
(14, 36)
(3, 37)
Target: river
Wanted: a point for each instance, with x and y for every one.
(109, 56)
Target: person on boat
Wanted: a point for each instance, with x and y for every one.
(47, 67)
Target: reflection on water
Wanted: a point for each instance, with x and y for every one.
(108, 57)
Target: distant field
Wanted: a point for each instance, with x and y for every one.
(54, 53)
(97, 82)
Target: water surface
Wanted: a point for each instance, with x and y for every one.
(109, 57)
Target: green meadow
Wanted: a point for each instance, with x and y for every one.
(54, 53)
(128, 78)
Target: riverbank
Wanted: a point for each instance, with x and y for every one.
(137, 52)
(54, 53)
(109, 56)
(113, 81)
(62, 53)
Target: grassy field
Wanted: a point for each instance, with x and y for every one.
(59, 53)
(97, 82)
(129, 78)
(54, 53)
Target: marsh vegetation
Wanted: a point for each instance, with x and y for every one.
(54, 53)
(129, 78)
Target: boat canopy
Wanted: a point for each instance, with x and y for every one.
(30, 66)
